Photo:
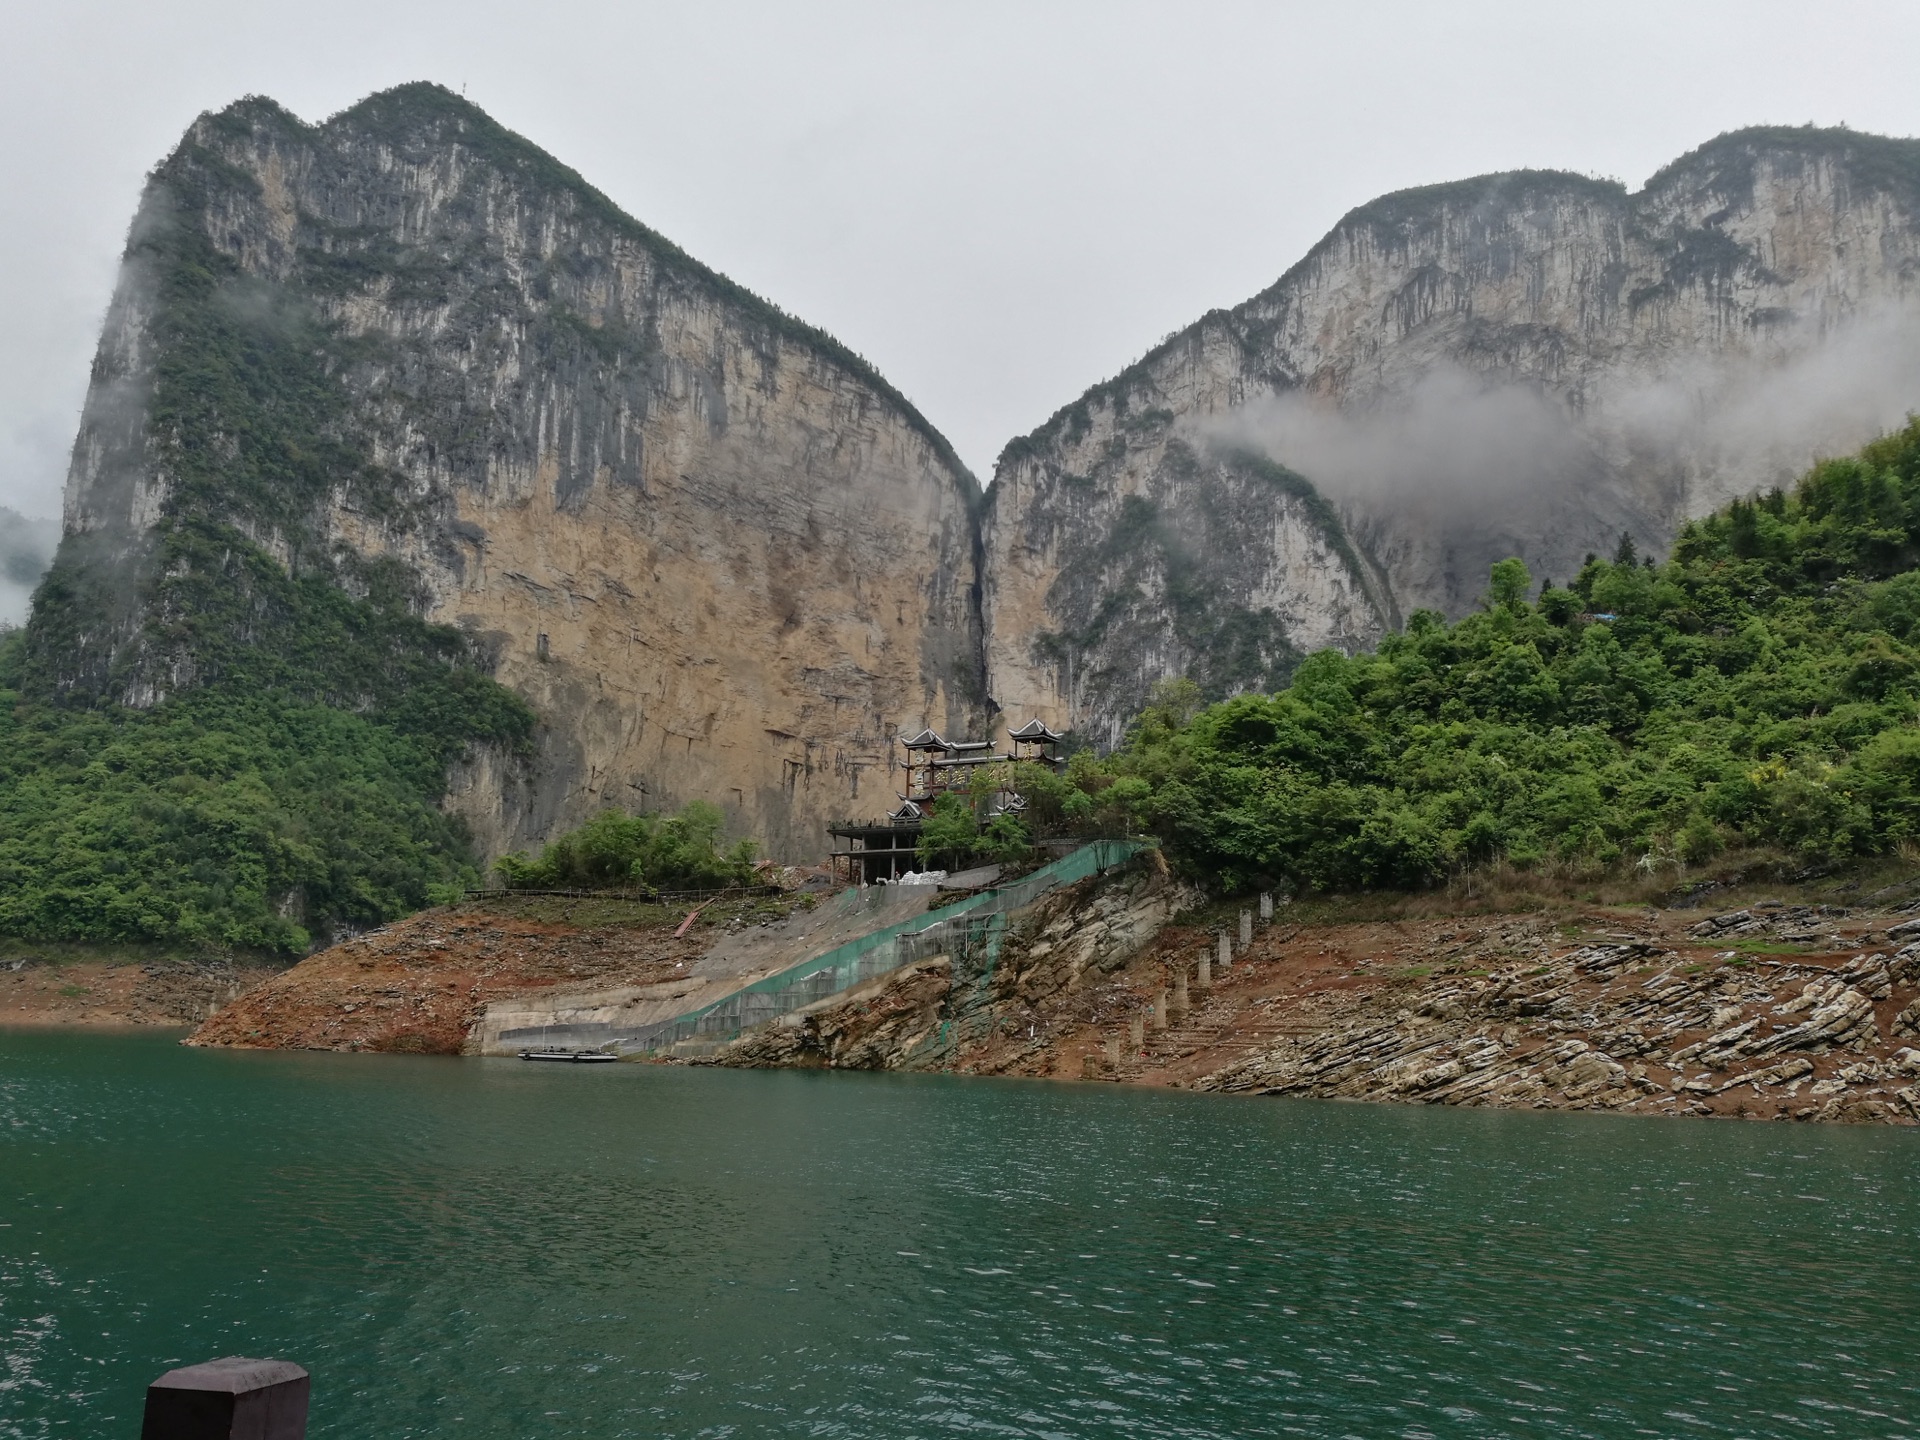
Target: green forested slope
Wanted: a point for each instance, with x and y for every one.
(1760, 688)
(221, 819)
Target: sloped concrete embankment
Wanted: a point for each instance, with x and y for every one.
(1059, 950)
(759, 978)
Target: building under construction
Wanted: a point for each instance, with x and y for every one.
(870, 851)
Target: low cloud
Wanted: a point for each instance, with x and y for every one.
(26, 549)
(1441, 473)
(1452, 443)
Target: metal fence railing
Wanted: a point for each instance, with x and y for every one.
(969, 930)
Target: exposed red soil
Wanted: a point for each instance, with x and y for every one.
(119, 993)
(418, 985)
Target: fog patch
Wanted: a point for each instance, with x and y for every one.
(1745, 423)
(1451, 445)
(26, 550)
(1457, 468)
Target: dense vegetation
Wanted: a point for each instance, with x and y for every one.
(220, 819)
(1760, 688)
(959, 832)
(615, 850)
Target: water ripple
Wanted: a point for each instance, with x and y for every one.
(483, 1249)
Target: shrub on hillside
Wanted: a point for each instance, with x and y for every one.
(615, 850)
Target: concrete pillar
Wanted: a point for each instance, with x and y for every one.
(1160, 1008)
(1137, 1032)
(229, 1399)
(1226, 952)
(1246, 928)
(1266, 907)
(1181, 1005)
(1113, 1052)
(1205, 980)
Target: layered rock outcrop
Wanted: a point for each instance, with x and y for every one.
(1578, 1011)
(1527, 364)
(716, 552)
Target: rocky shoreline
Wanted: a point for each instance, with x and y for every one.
(60, 990)
(1776, 1009)
(1772, 1011)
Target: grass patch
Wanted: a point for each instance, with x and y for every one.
(1766, 947)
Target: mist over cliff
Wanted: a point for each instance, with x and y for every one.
(1522, 364)
(1493, 466)
(26, 549)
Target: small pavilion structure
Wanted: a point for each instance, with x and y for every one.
(888, 847)
(1033, 741)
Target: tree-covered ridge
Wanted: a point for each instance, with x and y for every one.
(219, 819)
(1760, 688)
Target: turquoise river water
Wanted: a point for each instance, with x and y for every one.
(486, 1248)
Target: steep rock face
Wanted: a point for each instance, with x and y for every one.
(1521, 364)
(719, 555)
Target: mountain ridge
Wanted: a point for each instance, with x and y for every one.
(1893, 164)
(398, 423)
(428, 100)
(1547, 304)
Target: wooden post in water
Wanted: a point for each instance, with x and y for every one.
(1246, 928)
(1226, 953)
(1137, 1031)
(229, 1399)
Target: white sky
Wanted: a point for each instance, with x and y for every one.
(999, 204)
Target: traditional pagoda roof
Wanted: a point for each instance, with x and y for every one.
(907, 811)
(927, 740)
(1034, 730)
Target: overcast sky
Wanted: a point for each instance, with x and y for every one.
(997, 204)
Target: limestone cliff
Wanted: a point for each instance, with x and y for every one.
(717, 553)
(1526, 364)
(406, 362)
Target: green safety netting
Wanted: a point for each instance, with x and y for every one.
(969, 930)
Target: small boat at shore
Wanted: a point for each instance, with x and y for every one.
(577, 1057)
